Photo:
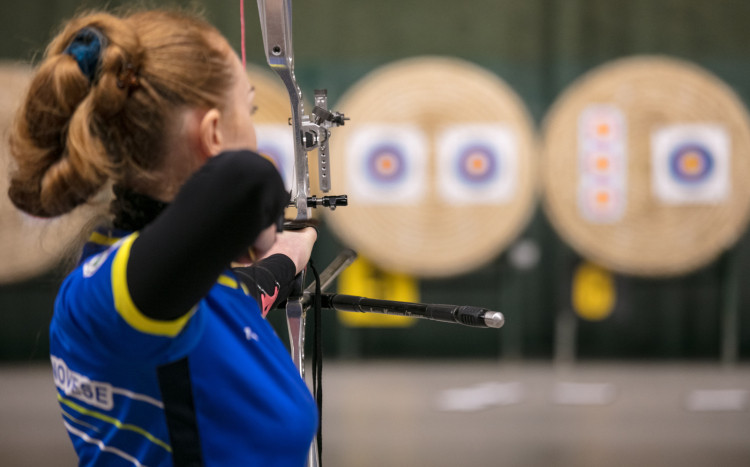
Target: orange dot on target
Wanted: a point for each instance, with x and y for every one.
(602, 163)
(602, 129)
(691, 162)
(602, 197)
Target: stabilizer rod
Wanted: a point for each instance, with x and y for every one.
(466, 315)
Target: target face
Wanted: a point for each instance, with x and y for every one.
(387, 164)
(477, 164)
(691, 164)
(602, 177)
(276, 142)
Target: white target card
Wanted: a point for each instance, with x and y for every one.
(690, 164)
(476, 164)
(386, 164)
(602, 164)
(277, 143)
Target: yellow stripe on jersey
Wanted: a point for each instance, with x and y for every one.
(232, 283)
(101, 239)
(228, 282)
(113, 421)
(124, 303)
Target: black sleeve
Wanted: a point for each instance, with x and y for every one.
(214, 218)
(270, 280)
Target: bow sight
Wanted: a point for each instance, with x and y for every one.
(310, 131)
(315, 134)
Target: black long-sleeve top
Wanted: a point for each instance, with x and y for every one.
(214, 218)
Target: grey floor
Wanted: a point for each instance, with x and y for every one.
(473, 414)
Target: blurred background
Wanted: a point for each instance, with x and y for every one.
(653, 372)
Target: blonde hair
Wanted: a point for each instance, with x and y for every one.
(74, 131)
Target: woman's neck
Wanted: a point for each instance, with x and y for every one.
(132, 210)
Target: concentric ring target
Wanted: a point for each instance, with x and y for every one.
(644, 166)
(439, 162)
(691, 163)
(385, 164)
(477, 164)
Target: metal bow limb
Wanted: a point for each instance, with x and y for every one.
(310, 132)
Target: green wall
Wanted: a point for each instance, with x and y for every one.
(538, 47)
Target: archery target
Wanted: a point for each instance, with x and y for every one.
(387, 164)
(643, 166)
(439, 161)
(691, 164)
(476, 164)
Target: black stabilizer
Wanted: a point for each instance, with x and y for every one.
(466, 315)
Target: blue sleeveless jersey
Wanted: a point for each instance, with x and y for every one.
(215, 387)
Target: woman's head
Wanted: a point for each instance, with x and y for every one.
(119, 113)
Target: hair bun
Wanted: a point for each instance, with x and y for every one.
(86, 48)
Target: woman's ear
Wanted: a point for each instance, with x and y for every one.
(210, 137)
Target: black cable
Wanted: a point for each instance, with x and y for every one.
(317, 363)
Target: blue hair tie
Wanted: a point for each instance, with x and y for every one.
(86, 48)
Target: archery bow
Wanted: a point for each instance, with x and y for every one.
(312, 132)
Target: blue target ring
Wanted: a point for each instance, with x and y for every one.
(477, 164)
(691, 163)
(386, 164)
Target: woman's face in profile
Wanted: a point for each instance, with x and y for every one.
(237, 125)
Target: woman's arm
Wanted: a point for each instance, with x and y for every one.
(215, 217)
(270, 278)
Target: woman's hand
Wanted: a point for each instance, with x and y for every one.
(296, 244)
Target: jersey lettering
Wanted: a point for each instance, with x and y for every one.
(76, 385)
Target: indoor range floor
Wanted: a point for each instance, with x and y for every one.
(472, 413)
